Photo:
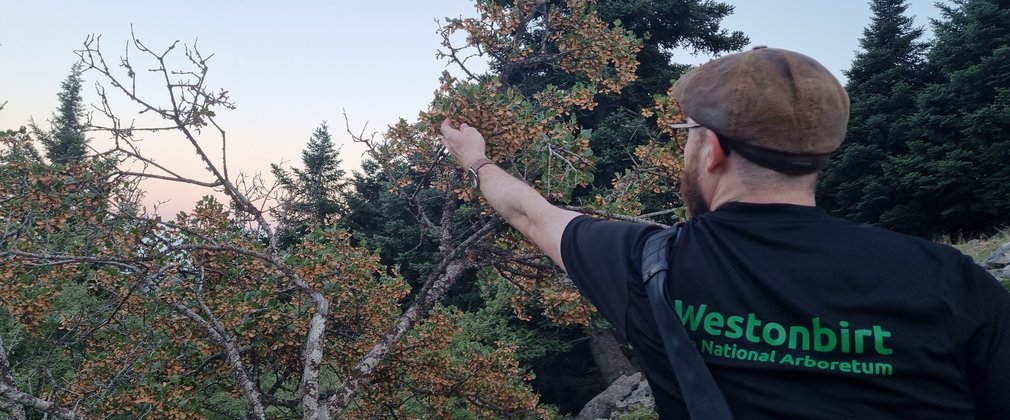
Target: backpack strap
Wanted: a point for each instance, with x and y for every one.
(701, 394)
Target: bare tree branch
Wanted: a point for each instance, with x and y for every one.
(15, 408)
(614, 216)
(44, 406)
(211, 184)
(213, 328)
(18, 400)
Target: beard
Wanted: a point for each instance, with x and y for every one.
(690, 192)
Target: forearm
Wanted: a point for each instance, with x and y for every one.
(518, 203)
(526, 210)
(512, 198)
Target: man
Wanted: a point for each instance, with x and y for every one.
(797, 314)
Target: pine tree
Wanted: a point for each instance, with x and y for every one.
(882, 83)
(313, 192)
(65, 141)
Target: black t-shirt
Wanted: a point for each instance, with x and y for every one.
(801, 315)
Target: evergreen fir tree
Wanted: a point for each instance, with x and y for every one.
(65, 141)
(955, 177)
(313, 192)
(882, 83)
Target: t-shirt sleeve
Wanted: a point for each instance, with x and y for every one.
(601, 258)
(989, 347)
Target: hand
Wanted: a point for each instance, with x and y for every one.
(465, 144)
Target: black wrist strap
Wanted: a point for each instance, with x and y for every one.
(701, 394)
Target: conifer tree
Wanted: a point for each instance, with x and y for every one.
(65, 141)
(882, 83)
(313, 191)
(954, 177)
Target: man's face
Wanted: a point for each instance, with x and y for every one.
(690, 178)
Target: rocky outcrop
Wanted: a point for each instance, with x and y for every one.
(999, 263)
(627, 393)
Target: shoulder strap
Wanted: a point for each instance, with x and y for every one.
(701, 394)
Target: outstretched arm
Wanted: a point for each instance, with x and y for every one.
(518, 203)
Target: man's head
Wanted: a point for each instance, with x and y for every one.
(781, 111)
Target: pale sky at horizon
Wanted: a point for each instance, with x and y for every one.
(291, 65)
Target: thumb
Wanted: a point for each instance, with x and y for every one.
(446, 127)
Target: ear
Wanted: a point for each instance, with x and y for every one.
(717, 155)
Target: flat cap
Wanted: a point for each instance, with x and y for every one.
(773, 102)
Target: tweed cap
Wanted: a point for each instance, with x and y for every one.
(778, 108)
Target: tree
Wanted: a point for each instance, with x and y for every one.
(385, 222)
(313, 193)
(390, 201)
(65, 141)
(951, 179)
(55, 209)
(200, 315)
(207, 314)
(882, 83)
(616, 123)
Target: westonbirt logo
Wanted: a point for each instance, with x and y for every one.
(808, 338)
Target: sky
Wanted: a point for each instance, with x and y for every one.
(290, 65)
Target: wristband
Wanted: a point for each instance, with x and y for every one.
(476, 167)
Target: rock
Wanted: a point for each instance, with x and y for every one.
(625, 394)
(1004, 272)
(998, 259)
(640, 398)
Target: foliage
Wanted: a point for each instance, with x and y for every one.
(616, 125)
(66, 140)
(926, 143)
(882, 83)
(312, 193)
(385, 221)
(126, 347)
(557, 125)
(117, 313)
(962, 120)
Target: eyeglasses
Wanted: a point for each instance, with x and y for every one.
(682, 139)
(725, 142)
(686, 125)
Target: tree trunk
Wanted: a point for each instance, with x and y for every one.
(608, 356)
